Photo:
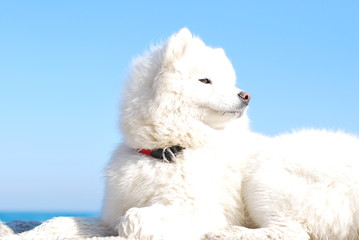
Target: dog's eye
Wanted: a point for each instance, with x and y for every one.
(205, 80)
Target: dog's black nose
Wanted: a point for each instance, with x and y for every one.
(245, 96)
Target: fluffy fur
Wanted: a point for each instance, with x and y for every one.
(228, 183)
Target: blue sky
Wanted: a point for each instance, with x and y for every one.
(62, 65)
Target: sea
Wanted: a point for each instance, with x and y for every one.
(41, 216)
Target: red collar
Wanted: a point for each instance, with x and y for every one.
(145, 151)
(167, 154)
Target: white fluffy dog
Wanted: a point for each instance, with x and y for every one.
(190, 168)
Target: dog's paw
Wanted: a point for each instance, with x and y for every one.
(137, 223)
(155, 223)
(158, 222)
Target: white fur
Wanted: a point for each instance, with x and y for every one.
(228, 183)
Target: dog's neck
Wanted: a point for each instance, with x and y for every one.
(187, 134)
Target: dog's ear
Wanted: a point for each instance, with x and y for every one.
(177, 43)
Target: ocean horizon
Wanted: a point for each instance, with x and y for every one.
(8, 216)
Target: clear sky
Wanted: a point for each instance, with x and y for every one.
(62, 65)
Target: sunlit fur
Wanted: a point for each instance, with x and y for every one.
(228, 183)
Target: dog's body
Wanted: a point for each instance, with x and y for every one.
(227, 182)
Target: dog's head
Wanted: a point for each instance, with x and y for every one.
(179, 91)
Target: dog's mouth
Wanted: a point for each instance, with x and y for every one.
(237, 112)
(234, 114)
(217, 119)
